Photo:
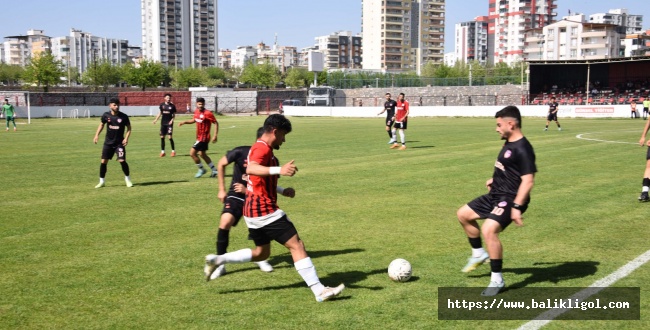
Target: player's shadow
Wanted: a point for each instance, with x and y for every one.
(153, 183)
(422, 147)
(554, 272)
(350, 279)
(284, 260)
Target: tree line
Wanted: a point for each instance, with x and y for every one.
(44, 71)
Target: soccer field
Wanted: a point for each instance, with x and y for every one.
(76, 257)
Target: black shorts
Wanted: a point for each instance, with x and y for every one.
(496, 208)
(401, 125)
(280, 230)
(645, 109)
(200, 146)
(110, 150)
(235, 206)
(389, 121)
(166, 130)
(552, 117)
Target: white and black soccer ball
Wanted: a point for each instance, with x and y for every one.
(400, 270)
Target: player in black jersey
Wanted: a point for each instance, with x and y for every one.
(233, 200)
(115, 141)
(168, 113)
(646, 174)
(507, 199)
(389, 108)
(552, 114)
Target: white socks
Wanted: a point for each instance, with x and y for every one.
(101, 180)
(237, 257)
(496, 277)
(477, 252)
(401, 135)
(308, 273)
(645, 189)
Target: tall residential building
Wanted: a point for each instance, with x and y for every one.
(508, 21)
(632, 23)
(82, 49)
(573, 38)
(180, 33)
(341, 50)
(242, 55)
(471, 40)
(17, 50)
(402, 35)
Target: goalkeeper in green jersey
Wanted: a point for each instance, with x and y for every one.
(9, 112)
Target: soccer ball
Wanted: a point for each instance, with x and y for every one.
(399, 270)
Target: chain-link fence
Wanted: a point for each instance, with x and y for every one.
(396, 82)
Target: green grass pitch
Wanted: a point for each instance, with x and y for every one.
(76, 257)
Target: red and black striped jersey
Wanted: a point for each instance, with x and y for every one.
(261, 191)
(204, 120)
(402, 109)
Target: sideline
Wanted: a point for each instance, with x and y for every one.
(548, 316)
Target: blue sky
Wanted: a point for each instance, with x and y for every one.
(247, 22)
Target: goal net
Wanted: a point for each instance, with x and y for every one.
(20, 101)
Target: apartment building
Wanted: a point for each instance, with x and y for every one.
(471, 40)
(82, 49)
(17, 50)
(508, 21)
(180, 33)
(573, 38)
(632, 23)
(402, 35)
(341, 50)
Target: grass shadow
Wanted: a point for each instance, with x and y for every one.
(555, 272)
(153, 183)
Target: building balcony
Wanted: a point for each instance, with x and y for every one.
(590, 34)
(593, 46)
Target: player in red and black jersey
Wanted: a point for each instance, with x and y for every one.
(507, 199)
(168, 113)
(117, 137)
(233, 200)
(401, 120)
(204, 120)
(389, 108)
(265, 220)
(553, 108)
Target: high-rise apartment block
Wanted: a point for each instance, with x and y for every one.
(402, 35)
(508, 21)
(180, 33)
(17, 50)
(632, 23)
(471, 40)
(341, 50)
(573, 38)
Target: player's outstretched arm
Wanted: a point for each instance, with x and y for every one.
(254, 168)
(221, 177)
(642, 141)
(99, 130)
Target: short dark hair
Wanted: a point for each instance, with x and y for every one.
(402, 94)
(552, 97)
(510, 111)
(114, 100)
(168, 95)
(200, 99)
(6, 100)
(388, 94)
(278, 122)
(260, 131)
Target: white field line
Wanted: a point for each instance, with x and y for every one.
(548, 316)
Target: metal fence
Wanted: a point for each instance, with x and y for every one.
(351, 83)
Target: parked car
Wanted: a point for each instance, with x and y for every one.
(292, 102)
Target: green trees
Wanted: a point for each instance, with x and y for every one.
(265, 74)
(43, 70)
(102, 74)
(10, 74)
(146, 74)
